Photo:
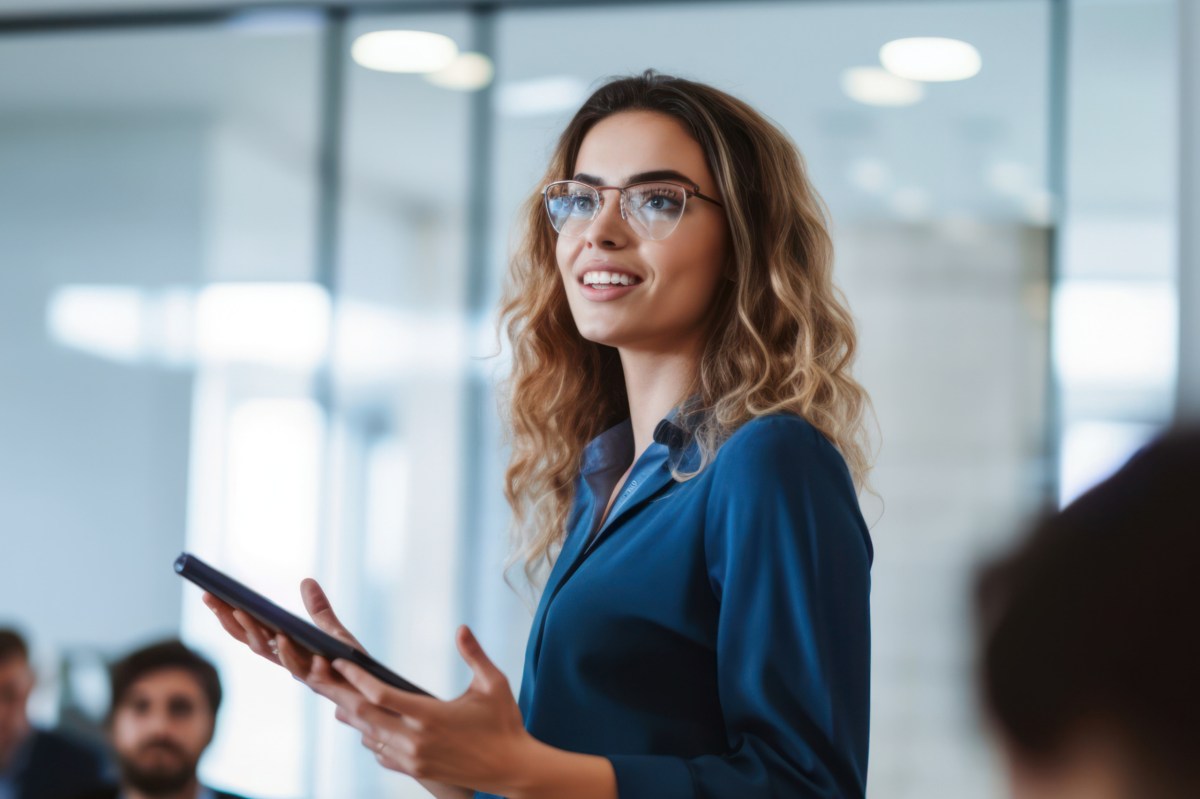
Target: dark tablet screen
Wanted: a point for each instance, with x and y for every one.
(275, 618)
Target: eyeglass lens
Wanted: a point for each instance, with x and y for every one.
(652, 209)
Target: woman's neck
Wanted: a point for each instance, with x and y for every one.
(655, 383)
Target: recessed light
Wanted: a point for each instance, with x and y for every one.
(403, 51)
(930, 59)
(875, 86)
(468, 72)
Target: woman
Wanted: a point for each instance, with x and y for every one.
(686, 444)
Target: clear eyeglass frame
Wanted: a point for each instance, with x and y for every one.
(641, 227)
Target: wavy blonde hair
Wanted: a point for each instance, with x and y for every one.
(780, 335)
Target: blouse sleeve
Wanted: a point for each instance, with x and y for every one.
(789, 560)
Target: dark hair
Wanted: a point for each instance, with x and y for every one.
(12, 644)
(168, 654)
(1090, 622)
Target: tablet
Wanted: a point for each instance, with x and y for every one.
(270, 615)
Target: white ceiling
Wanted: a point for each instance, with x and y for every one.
(785, 58)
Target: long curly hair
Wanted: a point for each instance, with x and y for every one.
(780, 337)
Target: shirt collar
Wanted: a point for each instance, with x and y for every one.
(613, 449)
(671, 435)
(610, 450)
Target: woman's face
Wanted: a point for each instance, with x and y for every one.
(676, 278)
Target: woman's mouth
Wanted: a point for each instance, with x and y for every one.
(600, 285)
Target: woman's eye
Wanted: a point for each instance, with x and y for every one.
(660, 202)
(581, 204)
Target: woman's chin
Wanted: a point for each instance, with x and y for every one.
(608, 335)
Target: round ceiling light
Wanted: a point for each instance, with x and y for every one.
(875, 86)
(403, 51)
(930, 59)
(466, 73)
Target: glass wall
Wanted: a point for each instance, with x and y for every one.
(161, 330)
(1116, 325)
(403, 451)
(210, 344)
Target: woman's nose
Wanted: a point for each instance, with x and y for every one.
(608, 229)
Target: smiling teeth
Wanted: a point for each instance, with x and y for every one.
(608, 278)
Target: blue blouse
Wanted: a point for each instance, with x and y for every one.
(712, 638)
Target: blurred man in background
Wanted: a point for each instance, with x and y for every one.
(164, 710)
(1089, 654)
(36, 764)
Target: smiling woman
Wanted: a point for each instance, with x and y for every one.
(687, 442)
(669, 253)
(755, 260)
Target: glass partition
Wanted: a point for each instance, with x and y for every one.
(401, 383)
(160, 334)
(1116, 321)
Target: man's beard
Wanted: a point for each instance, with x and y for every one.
(157, 780)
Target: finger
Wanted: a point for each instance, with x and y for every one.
(486, 674)
(257, 637)
(373, 720)
(388, 755)
(385, 696)
(326, 682)
(294, 658)
(224, 614)
(319, 607)
(213, 601)
(253, 628)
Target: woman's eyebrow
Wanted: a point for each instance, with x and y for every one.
(661, 174)
(640, 177)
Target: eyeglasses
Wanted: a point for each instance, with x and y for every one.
(652, 209)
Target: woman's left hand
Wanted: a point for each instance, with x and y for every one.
(476, 740)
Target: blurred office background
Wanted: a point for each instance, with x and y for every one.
(246, 309)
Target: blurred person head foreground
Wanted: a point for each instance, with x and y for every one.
(1089, 653)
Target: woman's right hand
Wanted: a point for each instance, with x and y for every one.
(266, 644)
(313, 670)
